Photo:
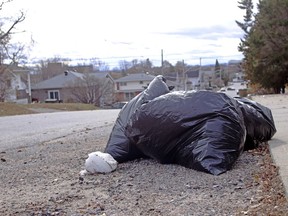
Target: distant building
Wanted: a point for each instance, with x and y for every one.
(14, 84)
(59, 88)
(192, 80)
(129, 86)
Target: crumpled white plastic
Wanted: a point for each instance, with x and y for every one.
(99, 162)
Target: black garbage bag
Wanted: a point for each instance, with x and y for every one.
(259, 123)
(199, 130)
(118, 144)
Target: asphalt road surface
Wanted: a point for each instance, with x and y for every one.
(28, 130)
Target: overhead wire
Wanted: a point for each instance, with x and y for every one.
(114, 61)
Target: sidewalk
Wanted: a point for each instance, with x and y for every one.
(279, 143)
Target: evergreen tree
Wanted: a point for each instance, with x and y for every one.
(217, 69)
(265, 44)
(246, 5)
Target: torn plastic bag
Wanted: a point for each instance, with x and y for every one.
(118, 144)
(259, 122)
(201, 130)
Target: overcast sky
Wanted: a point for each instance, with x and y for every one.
(114, 30)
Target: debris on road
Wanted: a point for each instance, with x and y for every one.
(99, 162)
(203, 130)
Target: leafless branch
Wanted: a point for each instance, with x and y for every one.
(20, 19)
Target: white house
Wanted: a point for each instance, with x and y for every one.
(192, 80)
(129, 86)
(14, 84)
(19, 91)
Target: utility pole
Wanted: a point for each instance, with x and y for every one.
(29, 87)
(200, 74)
(184, 76)
(220, 72)
(162, 61)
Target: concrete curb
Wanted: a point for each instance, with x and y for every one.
(279, 143)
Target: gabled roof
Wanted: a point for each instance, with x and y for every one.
(58, 81)
(62, 80)
(136, 77)
(193, 74)
(208, 73)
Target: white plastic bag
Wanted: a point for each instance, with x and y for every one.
(99, 162)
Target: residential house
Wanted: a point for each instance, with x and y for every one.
(59, 88)
(208, 79)
(52, 69)
(20, 91)
(175, 79)
(187, 80)
(14, 84)
(131, 85)
(192, 80)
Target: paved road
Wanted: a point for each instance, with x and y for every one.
(28, 130)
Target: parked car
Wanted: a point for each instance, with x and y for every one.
(231, 91)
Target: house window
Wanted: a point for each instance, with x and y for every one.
(54, 94)
(141, 82)
(8, 83)
(123, 84)
(129, 96)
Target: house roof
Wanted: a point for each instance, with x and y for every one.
(193, 74)
(208, 73)
(136, 77)
(64, 79)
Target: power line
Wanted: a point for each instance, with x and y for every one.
(193, 56)
(170, 57)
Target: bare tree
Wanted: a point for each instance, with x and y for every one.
(8, 50)
(136, 66)
(92, 90)
(99, 65)
(15, 52)
(124, 65)
(51, 67)
(4, 83)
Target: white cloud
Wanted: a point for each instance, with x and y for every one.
(184, 29)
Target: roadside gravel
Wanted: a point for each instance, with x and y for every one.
(44, 180)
